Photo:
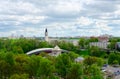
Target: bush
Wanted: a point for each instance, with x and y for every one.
(21, 76)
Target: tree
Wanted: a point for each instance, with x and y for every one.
(4, 69)
(83, 42)
(75, 72)
(45, 68)
(22, 63)
(33, 65)
(95, 72)
(112, 44)
(93, 39)
(92, 72)
(20, 76)
(62, 64)
(93, 60)
(17, 49)
(73, 56)
(114, 58)
(90, 60)
(95, 51)
(10, 58)
(67, 46)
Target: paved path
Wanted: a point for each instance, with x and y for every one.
(117, 77)
(114, 70)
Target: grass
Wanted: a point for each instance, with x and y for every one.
(84, 53)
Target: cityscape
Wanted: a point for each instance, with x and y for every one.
(59, 39)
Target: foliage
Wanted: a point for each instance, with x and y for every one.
(21, 76)
(21, 45)
(45, 68)
(15, 64)
(92, 72)
(93, 39)
(83, 42)
(114, 58)
(95, 51)
(62, 64)
(93, 60)
(112, 44)
(75, 71)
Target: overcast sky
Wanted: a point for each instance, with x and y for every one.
(61, 17)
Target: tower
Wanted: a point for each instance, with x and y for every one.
(46, 35)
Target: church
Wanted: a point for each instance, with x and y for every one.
(46, 35)
(51, 51)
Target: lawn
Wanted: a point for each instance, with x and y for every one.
(84, 53)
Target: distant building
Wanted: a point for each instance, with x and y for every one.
(21, 36)
(102, 45)
(12, 36)
(103, 39)
(103, 42)
(46, 35)
(117, 46)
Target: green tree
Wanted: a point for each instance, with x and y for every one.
(95, 72)
(75, 72)
(62, 64)
(33, 65)
(10, 58)
(83, 42)
(22, 63)
(93, 60)
(4, 69)
(20, 76)
(45, 69)
(112, 44)
(73, 56)
(113, 58)
(95, 51)
(93, 39)
(17, 49)
(92, 72)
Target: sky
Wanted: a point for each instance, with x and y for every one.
(61, 17)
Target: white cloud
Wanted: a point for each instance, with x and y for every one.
(68, 7)
(64, 17)
(85, 21)
(18, 7)
(103, 26)
(18, 19)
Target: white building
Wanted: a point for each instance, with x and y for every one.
(55, 51)
(102, 45)
(51, 51)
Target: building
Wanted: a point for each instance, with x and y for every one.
(103, 39)
(55, 51)
(50, 51)
(46, 35)
(102, 45)
(117, 46)
(103, 42)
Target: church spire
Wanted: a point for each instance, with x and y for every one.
(46, 35)
(46, 32)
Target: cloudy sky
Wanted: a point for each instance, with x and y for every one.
(61, 17)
